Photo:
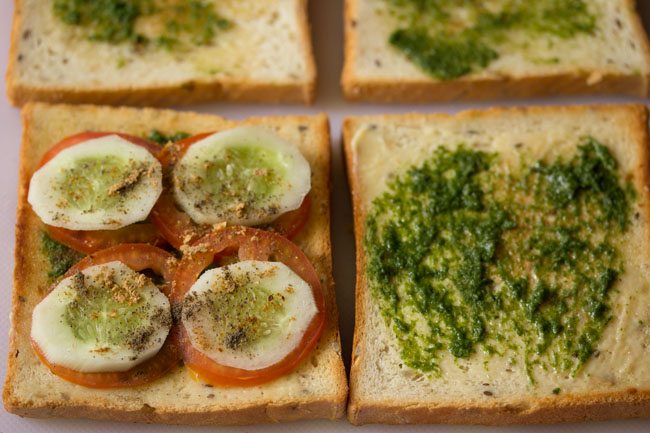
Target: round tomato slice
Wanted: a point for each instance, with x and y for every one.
(248, 244)
(89, 241)
(138, 257)
(179, 229)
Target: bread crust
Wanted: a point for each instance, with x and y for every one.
(422, 90)
(597, 406)
(188, 92)
(266, 403)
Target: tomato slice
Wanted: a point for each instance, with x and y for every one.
(289, 224)
(248, 244)
(138, 257)
(179, 229)
(85, 136)
(89, 241)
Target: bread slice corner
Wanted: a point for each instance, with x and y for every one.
(615, 384)
(316, 389)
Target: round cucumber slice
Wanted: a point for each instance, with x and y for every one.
(107, 318)
(246, 175)
(248, 315)
(104, 183)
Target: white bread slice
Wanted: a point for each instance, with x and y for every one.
(265, 57)
(317, 389)
(615, 60)
(615, 384)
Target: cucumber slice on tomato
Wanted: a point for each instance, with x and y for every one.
(249, 315)
(246, 175)
(104, 183)
(105, 318)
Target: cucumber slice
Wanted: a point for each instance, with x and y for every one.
(101, 184)
(248, 315)
(107, 318)
(245, 175)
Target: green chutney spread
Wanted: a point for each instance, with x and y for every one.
(169, 24)
(449, 38)
(465, 257)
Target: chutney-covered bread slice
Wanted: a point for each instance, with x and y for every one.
(503, 266)
(316, 389)
(399, 51)
(160, 52)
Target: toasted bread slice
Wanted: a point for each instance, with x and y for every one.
(614, 381)
(317, 389)
(614, 58)
(264, 56)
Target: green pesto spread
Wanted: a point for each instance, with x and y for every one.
(160, 138)
(169, 24)
(463, 257)
(448, 44)
(60, 257)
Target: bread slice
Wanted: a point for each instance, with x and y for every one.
(317, 389)
(266, 56)
(613, 383)
(614, 60)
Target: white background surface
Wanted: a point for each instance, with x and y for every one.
(327, 31)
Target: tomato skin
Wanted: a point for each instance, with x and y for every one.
(173, 224)
(167, 358)
(85, 136)
(289, 224)
(249, 244)
(179, 229)
(138, 257)
(89, 241)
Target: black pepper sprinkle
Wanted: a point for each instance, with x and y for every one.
(488, 393)
(236, 339)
